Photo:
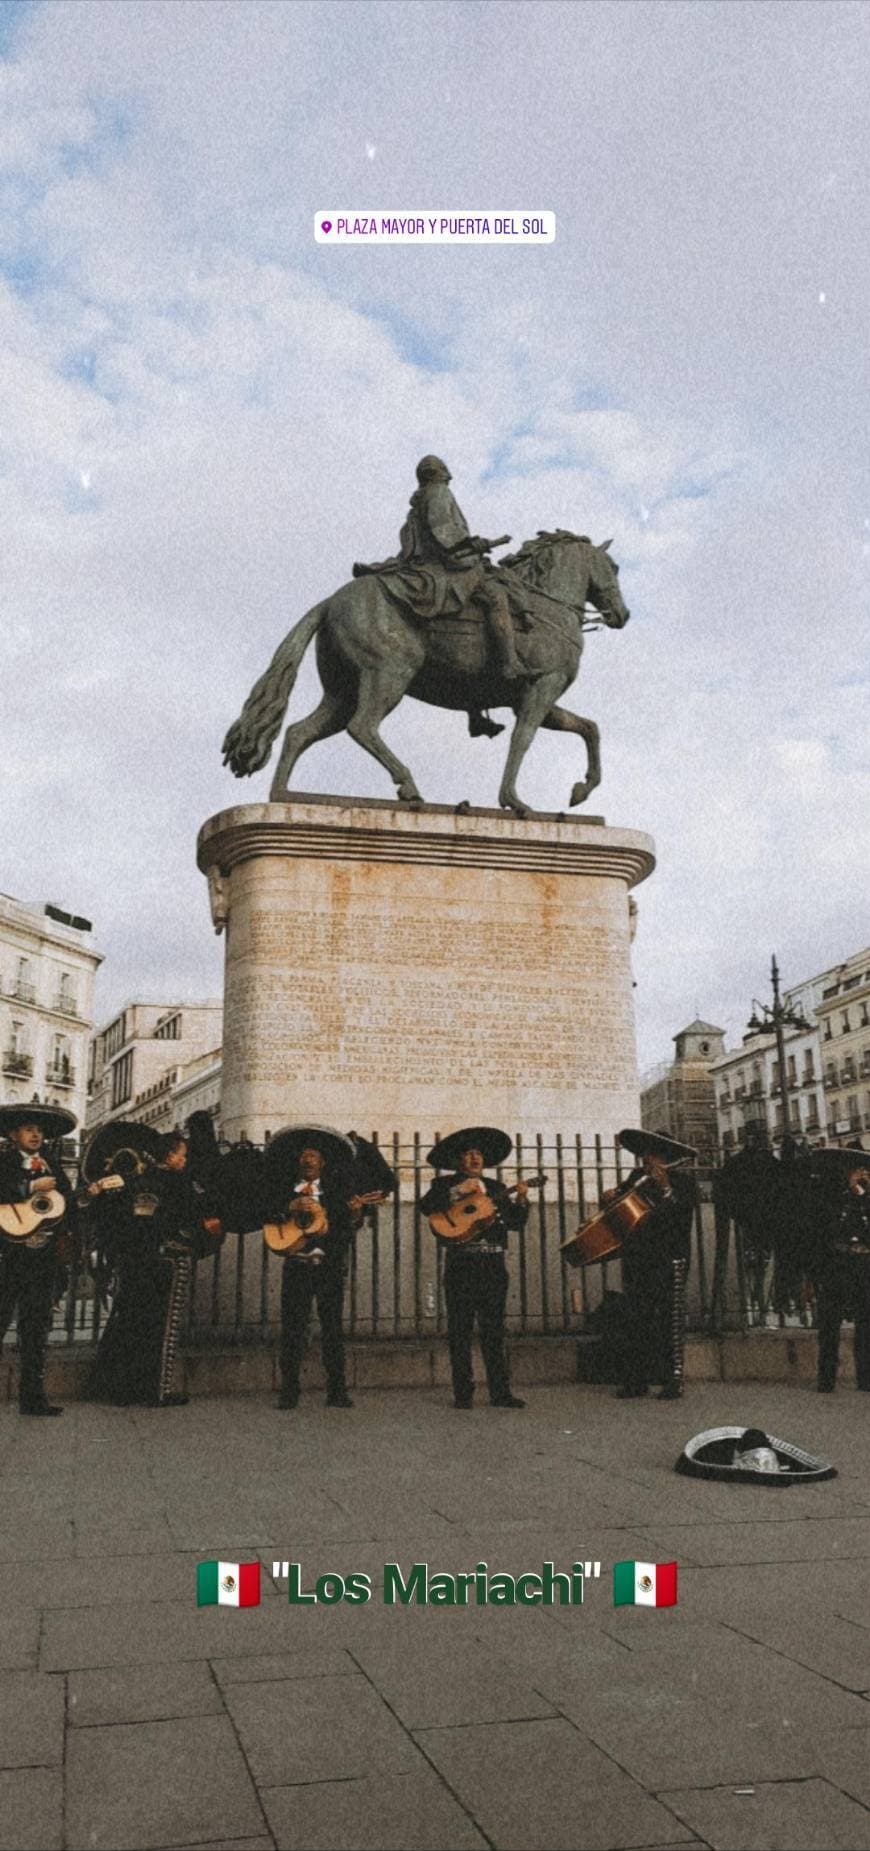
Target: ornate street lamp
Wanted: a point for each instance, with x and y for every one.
(767, 1020)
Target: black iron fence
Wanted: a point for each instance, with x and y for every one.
(395, 1288)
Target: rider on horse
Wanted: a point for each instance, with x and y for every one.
(436, 544)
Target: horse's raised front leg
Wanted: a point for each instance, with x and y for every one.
(561, 720)
(534, 703)
(330, 717)
(378, 695)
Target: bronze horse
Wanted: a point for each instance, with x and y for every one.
(371, 652)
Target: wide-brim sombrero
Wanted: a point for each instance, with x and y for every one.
(120, 1135)
(283, 1151)
(656, 1143)
(54, 1121)
(718, 1453)
(495, 1147)
(839, 1159)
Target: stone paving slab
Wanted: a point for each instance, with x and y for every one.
(31, 1810)
(317, 1729)
(134, 1786)
(388, 1812)
(433, 1689)
(271, 1667)
(355, 1724)
(537, 1786)
(141, 1693)
(804, 1815)
(19, 1637)
(31, 1720)
(98, 1580)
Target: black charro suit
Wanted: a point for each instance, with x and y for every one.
(306, 1282)
(654, 1261)
(29, 1274)
(476, 1285)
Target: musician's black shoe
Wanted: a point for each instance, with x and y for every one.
(825, 1388)
(463, 1401)
(480, 726)
(339, 1399)
(508, 1401)
(631, 1394)
(174, 1401)
(671, 1392)
(42, 1407)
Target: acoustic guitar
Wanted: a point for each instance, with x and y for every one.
(305, 1220)
(472, 1210)
(18, 1220)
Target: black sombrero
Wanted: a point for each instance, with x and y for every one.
(54, 1121)
(840, 1159)
(495, 1147)
(656, 1142)
(283, 1151)
(747, 1455)
(124, 1145)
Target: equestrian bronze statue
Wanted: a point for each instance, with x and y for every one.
(443, 624)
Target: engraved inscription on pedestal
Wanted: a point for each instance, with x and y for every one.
(411, 971)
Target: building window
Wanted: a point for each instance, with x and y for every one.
(168, 1030)
(66, 1000)
(813, 1112)
(844, 1021)
(827, 1030)
(792, 1070)
(24, 988)
(114, 1037)
(122, 1079)
(809, 1065)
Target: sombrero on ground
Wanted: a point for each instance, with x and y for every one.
(54, 1121)
(656, 1142)
(495, 1147)
(737, 1454)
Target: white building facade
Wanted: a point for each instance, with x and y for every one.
(145, 1053)
(844, 1026)
(827, 1066)
(47, 969)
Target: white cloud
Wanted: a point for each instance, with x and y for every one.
(205, 420)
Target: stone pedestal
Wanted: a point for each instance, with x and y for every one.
(410, 971)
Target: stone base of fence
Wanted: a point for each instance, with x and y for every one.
(757, 1356)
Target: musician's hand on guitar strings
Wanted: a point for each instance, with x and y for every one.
(42, 1184)
(521, 1191)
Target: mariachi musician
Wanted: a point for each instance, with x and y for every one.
(475, 1274)
(313, 1198)
(30, 1263)
(148, 1220)
(655, 1260)
(839, 1259)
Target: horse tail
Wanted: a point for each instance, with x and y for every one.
(251, 737)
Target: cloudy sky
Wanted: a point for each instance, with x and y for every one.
(205, 418)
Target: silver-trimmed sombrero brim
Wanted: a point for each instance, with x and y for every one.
(706, 1456)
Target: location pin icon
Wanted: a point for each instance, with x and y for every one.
(326, 224)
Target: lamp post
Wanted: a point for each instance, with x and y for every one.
(772, 1021)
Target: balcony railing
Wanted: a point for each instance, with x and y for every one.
(19, 991)
(20, 1065)
(62, 1074)
(65, 1005)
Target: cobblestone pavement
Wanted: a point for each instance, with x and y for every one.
(130, 1718)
